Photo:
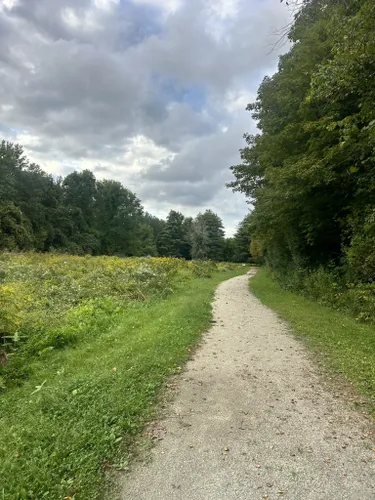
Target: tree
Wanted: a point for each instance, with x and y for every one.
(163, 243)
(173, 241)
(31, 191)
(15, 230)
(185, 248)
(242, 240)
(80, 215)
(119, 219)
(145, 244)
(229, 250)
(12, 162)
(200, 241)
(207, 237)
(38, 198)
(80, 191)
(309, 173)
(157, 225)
(77, 214)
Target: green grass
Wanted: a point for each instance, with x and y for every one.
(77, 415)
(345, 346)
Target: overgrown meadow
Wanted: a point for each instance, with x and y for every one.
(86, 345)
(50, 301)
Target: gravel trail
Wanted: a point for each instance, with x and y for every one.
(252, 419)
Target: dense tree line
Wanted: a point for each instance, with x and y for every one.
(80, 215)
(310, 171)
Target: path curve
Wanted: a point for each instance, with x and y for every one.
(252, 420)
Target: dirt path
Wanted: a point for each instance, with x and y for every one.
(252, 420)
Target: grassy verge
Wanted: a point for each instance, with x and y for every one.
(345, 346)
(75, 417)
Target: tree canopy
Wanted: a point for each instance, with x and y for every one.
(80, 214)
(310, 170)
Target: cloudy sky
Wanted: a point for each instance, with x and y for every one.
(151, 93)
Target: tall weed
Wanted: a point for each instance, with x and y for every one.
(332, 288)
(50, 301)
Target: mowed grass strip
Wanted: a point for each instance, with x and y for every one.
(345, 346)
(76, 417)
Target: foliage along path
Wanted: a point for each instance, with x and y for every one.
(252, 419)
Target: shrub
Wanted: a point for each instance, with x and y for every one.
(204, 268)
(331, 288)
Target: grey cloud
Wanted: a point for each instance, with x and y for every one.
(83, 80)
(189, 52)
(182, 193)
(47, 22)
(115, 28)
(101, 168)
(197, 173)
(180, 125)
(86, 91)
(199, 160)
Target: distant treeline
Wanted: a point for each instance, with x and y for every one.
(81, 215)
(311, 171)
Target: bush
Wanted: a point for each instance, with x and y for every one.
(203, 268)
(332, 288)
(361, 253)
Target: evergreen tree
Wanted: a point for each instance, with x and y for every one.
(207, 237)
(173, 239)
(229, 250)
(242, 240)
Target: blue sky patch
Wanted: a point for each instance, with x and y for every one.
(173, 90)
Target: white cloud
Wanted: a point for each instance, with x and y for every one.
(86, 20)
(225, 8)
(7, 4)
(143, 152)
(6, 108)
(29, 141)
(237, 100)
(71, 18)
(168, 6)
(105, 4)
(219, 14)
